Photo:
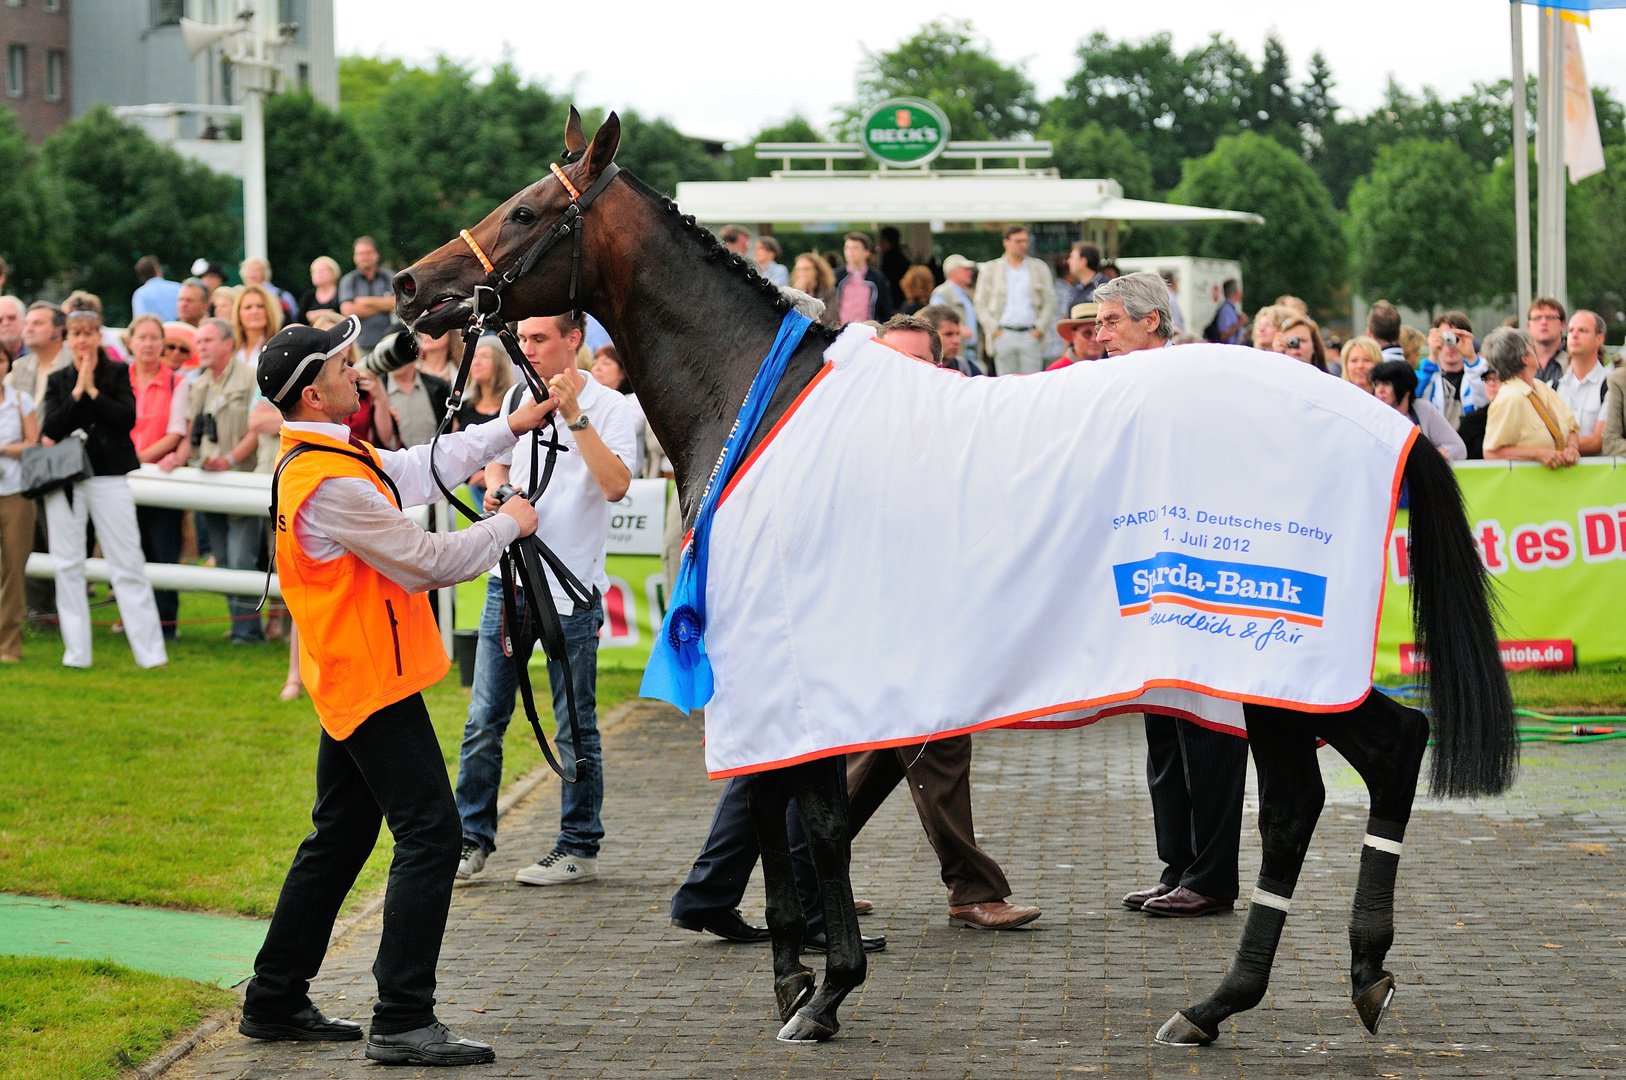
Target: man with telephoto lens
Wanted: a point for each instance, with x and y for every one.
(353, 571)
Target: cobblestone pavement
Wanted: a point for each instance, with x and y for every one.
(1510, 955)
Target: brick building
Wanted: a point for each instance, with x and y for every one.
(38, 42)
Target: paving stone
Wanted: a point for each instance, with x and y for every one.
(1510, 950)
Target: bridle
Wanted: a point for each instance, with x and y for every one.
(529, 613)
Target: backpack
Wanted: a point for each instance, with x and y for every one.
(1212, 331)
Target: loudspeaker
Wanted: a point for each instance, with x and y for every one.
(199, 36)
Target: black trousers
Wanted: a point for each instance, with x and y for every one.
(1197, 776)
(389, 769)
(161, 543)
(717, 880)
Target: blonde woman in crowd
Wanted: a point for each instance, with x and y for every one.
(323, 295)
(255, 318)
(221, 303)
(1300, 338)
(19, 429)
(1360, 356)
(1265, 324)
(1292, 303)
(1412, 344)
(812, 275)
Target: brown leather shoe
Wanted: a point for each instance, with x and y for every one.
(991, 915)
(1135, 900)
(862, 907)
(1182, 903)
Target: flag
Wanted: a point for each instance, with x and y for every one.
(1583, 144)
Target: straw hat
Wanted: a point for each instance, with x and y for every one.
(1081, 314)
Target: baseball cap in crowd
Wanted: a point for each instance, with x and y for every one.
(293, 358)
(1081, 314)
(954, 262)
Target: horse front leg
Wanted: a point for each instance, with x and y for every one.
(821, 801)
(767, 798)
(1384, 741)
(1290, 800)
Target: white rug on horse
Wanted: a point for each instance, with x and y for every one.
(914, 553)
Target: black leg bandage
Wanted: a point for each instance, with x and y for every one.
(1371, 923)
(1245, 983)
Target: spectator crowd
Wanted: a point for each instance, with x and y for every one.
(176, 387)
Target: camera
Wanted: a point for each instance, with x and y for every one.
(392, 353)
(1294, 342)
(205, 428)
(1448, 337)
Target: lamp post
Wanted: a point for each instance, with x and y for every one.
(253, 59)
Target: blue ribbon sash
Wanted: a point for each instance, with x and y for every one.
(678, 669)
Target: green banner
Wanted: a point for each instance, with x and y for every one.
(1554, 542)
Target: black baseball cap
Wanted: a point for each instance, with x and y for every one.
(293, 358)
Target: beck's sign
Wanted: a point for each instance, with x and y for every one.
(1554, 545)
(904, 131)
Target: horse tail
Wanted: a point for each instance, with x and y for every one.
(1476, 747)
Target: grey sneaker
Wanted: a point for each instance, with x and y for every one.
(472, 862)
(432, 1045)
(557, 868)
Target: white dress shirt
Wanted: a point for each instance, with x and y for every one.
(346, 513)
(1584, 396)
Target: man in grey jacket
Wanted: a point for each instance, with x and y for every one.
(1016, 303)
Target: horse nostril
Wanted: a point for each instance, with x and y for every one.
(404, 282)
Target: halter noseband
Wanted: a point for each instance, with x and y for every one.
(569, 224)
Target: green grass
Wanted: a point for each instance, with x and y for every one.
(84, 1019)
(1587, 689)
(188, 786)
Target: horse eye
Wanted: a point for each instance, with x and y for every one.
(524, 215)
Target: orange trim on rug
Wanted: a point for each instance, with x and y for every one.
(774, 431)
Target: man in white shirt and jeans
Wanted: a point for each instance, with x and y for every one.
(1016, 303)
(599, 434)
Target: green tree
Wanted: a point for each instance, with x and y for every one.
(127, 197)
(1096, 151)
(743, 163)
(321, 184)
(1421, 229)
(31, 212)
(945, 64)
(1299, 249)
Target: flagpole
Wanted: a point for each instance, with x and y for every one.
(1544, 155)
(1556, 99)
(1521, 165)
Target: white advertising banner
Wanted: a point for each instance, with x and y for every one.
(916, 553)
(638, 521)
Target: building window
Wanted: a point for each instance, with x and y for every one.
(53, 5)
(16, 69)
(225, 81)
(167, 12)
(296, 12)
(54, 60)
(14, 3)
(304, 76)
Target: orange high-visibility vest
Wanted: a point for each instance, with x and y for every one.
(364, 642)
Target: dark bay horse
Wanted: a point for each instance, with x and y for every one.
(692, 323)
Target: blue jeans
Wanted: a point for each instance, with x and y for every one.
(479, 766)
(236, 541)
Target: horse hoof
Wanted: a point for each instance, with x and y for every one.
(1372, 1003)
(792, 992)
(1182, 1032)
(802, 1028)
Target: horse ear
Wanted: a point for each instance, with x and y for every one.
(605, 141)
(574, 142)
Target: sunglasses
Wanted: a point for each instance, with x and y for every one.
(175, 347)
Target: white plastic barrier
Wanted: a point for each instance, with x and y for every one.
(178, 576)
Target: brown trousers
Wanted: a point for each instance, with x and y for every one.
(16, 541)
(940, 783)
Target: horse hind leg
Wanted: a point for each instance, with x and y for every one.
(821, 802)
(1384, 742)
(767, 798)
(1290, 800)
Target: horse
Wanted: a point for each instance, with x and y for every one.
(692, 320)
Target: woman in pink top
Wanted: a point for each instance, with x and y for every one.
(160, 426)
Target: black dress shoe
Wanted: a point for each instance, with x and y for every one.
(729, 925)
(432, 1045)
(307, 1025)
(1182, 903)
(1135, 900)
(820, 942)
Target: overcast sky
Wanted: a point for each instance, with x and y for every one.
(725, 68)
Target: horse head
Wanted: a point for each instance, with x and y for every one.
(436, 293)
